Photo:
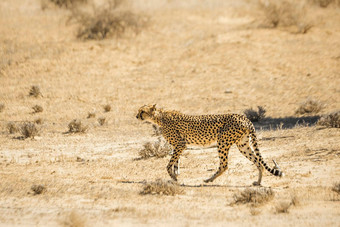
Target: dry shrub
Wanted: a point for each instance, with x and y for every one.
(38, 189)
(29, 130)
(12, 128)
(284, 13)
(325, 3)
(161, 187)
(158, 149)
(254, 197)
(39, 121)
(254, 211)
(255, 116)
(35, 91)
(106, 22)
(107, 108)
(331, 120)
(76, 126)
(336, 188)
(63, 3)
(310, 106)
(2, 107)
(91, 115)
(283, 207)
(102, 121)
(37, 109)
(74, 220)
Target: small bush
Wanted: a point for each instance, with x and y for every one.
(37, 109)
(106, 22)
(65, 3)
(310, 106)
(29, 130)
(336, 188)
(76, 126)
(38, 121)
(158, 149)
(102, 121)
(254, 197)
(325, 3)
(91, 115)
(284, 13)
(12, 128)
(107, 108)
(35, 91)
(161, 187)
(282, 207)
(331, 120)
(38, 189)
(2, 107)
(255, 116)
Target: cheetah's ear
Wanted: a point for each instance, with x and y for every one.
(153, 107)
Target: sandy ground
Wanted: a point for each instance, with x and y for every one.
(197, 57)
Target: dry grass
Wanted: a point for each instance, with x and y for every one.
(91, 115)
(37, 109)
(331, 120)
(101, 121)
(161, 187)
(38, 189)
(12, 128)
(35, 91)
(2, 107)
(254, 115)
(74, 220)
(107, 22)
(284, 13)
(29, 130)
(158, 149)
(310, 106)
(254, 211)
(254, 196)
(157, 131)
(76, 126)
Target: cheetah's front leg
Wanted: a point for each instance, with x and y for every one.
(172, 167)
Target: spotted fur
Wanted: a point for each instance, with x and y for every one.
(181, 130)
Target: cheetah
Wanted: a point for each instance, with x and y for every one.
(181, 130)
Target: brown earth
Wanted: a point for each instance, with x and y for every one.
(197, 57)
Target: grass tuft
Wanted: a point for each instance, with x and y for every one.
(107, 108)
(331, 120)
(283, 207)
(29, 130)
(255, 116)
(39, 121)
(158, 149)
(91, 115)
(101, 121)
(106, 22)
(336, 188)
(310, 106)
(12, 128)
(161, 187)
(65, 3)
(38, 189)
(35, 91)
(254, 197)
(37, 109)
(2, 107)
(325, 3)
(76, 126)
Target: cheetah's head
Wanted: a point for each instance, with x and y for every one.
(146, 113)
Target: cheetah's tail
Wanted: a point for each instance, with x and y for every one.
(276, 171)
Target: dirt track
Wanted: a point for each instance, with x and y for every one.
(198, 58)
